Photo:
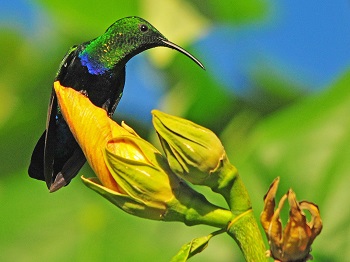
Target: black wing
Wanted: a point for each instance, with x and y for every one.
(50, 139)
(36, 167)
(44, 150)
(42, 165)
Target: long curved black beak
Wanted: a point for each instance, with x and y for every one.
(181, 50)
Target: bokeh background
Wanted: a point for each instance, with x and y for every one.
(276, 91)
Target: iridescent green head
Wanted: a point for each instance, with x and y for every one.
(122, 40)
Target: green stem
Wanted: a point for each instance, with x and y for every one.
(193, 208)
(244, 230)
(229, 184)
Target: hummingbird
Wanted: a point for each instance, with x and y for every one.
(96, 68)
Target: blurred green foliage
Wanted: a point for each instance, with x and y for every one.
(303, 138)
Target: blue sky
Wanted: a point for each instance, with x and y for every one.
(310, 39)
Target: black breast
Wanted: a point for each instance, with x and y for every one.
(100, 88)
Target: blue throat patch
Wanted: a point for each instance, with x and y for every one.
(94, 67)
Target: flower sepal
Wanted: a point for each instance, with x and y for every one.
(140, 170)
(124, 201)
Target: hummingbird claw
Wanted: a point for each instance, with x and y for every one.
(84, 92)
(106, 105)
(58, 183)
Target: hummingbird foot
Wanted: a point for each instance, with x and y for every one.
(84, 92)
(106, 105)
(58, 183)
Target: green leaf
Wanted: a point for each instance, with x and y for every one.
(194, 247)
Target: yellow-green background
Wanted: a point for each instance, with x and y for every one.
(303, 137)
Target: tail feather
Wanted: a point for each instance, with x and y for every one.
(36, 167)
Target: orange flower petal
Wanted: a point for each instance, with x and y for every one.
(91, 127)
(297, 233)
(269, 207)
(275, 229)
(316, 223)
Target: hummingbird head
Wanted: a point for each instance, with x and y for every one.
(124, 39)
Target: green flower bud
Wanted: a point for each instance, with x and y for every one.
(193, 152)
(196, 154)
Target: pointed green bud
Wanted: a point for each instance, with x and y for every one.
(196, 154)
(193, 152)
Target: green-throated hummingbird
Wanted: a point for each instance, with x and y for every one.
(97, 69)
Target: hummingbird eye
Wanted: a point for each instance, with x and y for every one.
(143, 28)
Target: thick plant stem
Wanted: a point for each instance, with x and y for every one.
(244, 230)
(192, 208)
(229, 184)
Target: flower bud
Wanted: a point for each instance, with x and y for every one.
(293, 243)
(193, 152)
